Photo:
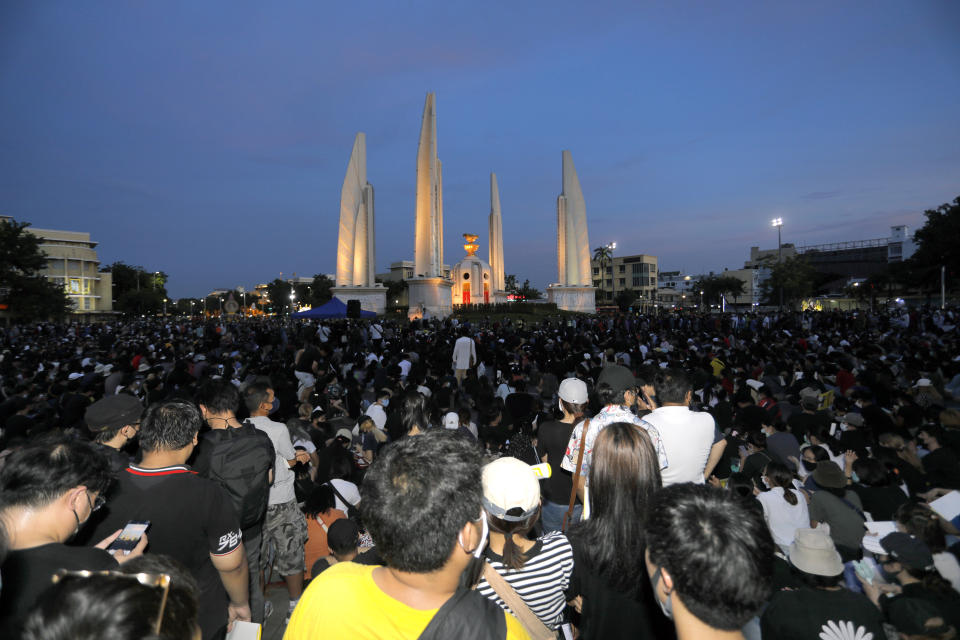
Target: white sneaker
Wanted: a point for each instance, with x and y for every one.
(267, 609)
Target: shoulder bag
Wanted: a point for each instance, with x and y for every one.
(530, 621)
(576, 476)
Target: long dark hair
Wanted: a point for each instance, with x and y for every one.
(513, 557)
(414, 412)
(779, 476)
(623, 478)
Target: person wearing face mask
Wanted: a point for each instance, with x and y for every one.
(552, 438)
(48, 490)
(781, 444)
(422, 504)
(695, 534)
(784, 508)
(378, 410)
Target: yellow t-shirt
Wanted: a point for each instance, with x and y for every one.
(345, 602)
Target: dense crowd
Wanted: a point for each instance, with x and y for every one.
(781, 475)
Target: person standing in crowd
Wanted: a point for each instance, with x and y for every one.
(617, 392)
(692, 443)
(608, 569)
(464, 355)
(422, 503)
(284, 527)
(114, 422)
(239, 457)
(191, 518)
(538, 570)
(48, 491)
(695, 534)
(552, 439)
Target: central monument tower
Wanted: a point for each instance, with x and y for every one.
(574, 291)
(429, 291)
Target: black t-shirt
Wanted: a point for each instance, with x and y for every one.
(880, 502)
(611, 613)
(947, 601)
(190, 519)
(802, 424)
(28, 572)
(942, 468)
(809, 613)
(552, 440)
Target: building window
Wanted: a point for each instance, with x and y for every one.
(596, 270)
(596, 283)
(621, 268)
(636, 281)
(622, 282)
(609, 269)
(653, 281)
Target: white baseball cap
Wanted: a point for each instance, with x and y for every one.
(573, 390)
(509, 484)
(451, 421)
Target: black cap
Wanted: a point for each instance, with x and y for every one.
(618, 377)
(907, 550)
(112, 412)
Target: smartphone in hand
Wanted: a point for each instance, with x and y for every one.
(130, 536)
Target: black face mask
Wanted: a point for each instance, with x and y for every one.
(809, 466)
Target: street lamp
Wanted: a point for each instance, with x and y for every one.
(293, 297)
(221, 307)
(701, 299)
(613, 277)
(191, 308)
(778, 223)
(164, 307)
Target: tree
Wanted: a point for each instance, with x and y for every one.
(604, 255)
(527, 292)
(135, 290)
(510, 283)
(937, 247)
(28, 293)
(714, 286)
(319, 292)
(395, 290)
(794, 275)
(278, 292)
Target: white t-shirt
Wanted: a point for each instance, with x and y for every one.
(281, 491)
(379, 416)
(348, 490)
(687, 438)
(784, 518)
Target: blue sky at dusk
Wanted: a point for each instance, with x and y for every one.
(210, 139)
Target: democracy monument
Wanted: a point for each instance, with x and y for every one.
(431, 293)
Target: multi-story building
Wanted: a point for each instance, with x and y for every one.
(637, 273)
(72, 263)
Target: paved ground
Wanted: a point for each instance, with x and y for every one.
(273, 628)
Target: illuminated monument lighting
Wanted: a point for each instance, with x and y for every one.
(574, 290)
(497, 273)
(429, 291)
(356, 249)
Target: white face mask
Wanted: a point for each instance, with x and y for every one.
(484, 532)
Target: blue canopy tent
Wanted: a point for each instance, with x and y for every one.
(336, 308)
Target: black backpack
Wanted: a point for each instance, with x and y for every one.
(240, 461)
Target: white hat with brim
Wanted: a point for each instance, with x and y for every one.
(813, 552)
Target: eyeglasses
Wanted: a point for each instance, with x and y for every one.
(156, 580)
(97, 502)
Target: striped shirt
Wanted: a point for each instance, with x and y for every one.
(541, 582)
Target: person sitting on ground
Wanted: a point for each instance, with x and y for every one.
(321, 513)
(835, 504)
(343, 539)
(926, 525)
(822, 605)
(48, 491)
(422, 505)
(538, 570)
(694, 535)
(784, 508)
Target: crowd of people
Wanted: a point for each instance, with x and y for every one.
(624, 476)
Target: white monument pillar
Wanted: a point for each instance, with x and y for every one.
(497, 273)
(429, 291)
(356, 249)
(574, 290)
